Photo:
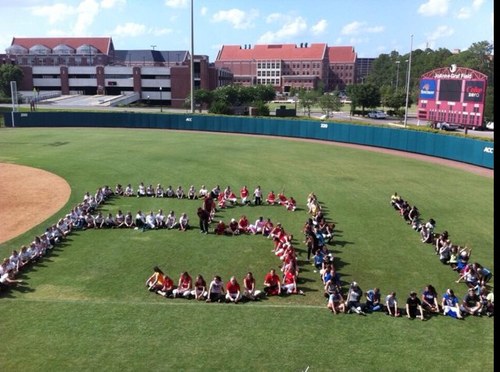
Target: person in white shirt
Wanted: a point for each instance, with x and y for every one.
(183, 222)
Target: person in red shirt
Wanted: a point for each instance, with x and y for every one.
(268, 227)
(233, 291)
(220, 229)
(272, 284)
(271, 198)
(282, 198)
(249, 290)
(244, 195)
(291, 204)
(290, 283)
(243, 224)
(185, 286)
(168, 287)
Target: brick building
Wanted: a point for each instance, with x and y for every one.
(91, 65)
(287, 66)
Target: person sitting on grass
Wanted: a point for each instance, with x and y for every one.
(268, 227)
(168, 288)
(289, 285)
(184, 286)
(216, 290)
(249, 290)
(450, 305)
(272, 284)
(183, 222)
(159, 191)
(336, 302)
(179, 192)
(391, 305)
(373, 300)
(191, 194)
(430, 300)
(200, 291)
(232, 227)
(414, 307)
(220, 228)
(129, 220)
(471, 304)
(353, 299)
(271, 198)
(129, 190)
(257, 227)
(291, 204)
(233, 290)
(156, 281)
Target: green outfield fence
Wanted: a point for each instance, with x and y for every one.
(462, 149)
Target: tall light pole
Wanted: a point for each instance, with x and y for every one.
(397, 75)
(153, 47)
(408, 82)
(192, 59)
(161, 105)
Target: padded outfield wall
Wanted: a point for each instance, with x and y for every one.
(463, 149)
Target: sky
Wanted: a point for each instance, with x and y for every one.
(372, 27)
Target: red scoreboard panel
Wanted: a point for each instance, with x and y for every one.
(453, 95)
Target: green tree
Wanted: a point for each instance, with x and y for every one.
(329, 102)
(203, 97)
(307, 99)
(9, 73)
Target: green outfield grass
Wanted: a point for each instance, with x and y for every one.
(86, 308)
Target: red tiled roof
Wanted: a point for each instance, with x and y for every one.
(103, 44)
(341, 54)
(272, 51)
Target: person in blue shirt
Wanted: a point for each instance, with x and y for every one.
(373, 299)
(450, 305)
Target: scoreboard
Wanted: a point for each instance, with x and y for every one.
(453, 95)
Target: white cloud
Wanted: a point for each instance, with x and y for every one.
(161, 31)
(294, 27)
(177, 4)
(476, 4)
(464, 13)
(236, 17)
(87, 12)
(319, 27)
(129, 29)
(434, 8)
(54, 13)
(439, 33)
(109, 4)
(356, 28)
(204, 11)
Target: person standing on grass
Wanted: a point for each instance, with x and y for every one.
(257, 196)
(204, 217)
(272, 285)
(414, 307)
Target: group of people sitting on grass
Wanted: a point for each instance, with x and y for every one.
(223, 198)
(217, 290)
(421, 307)
(455, 256)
